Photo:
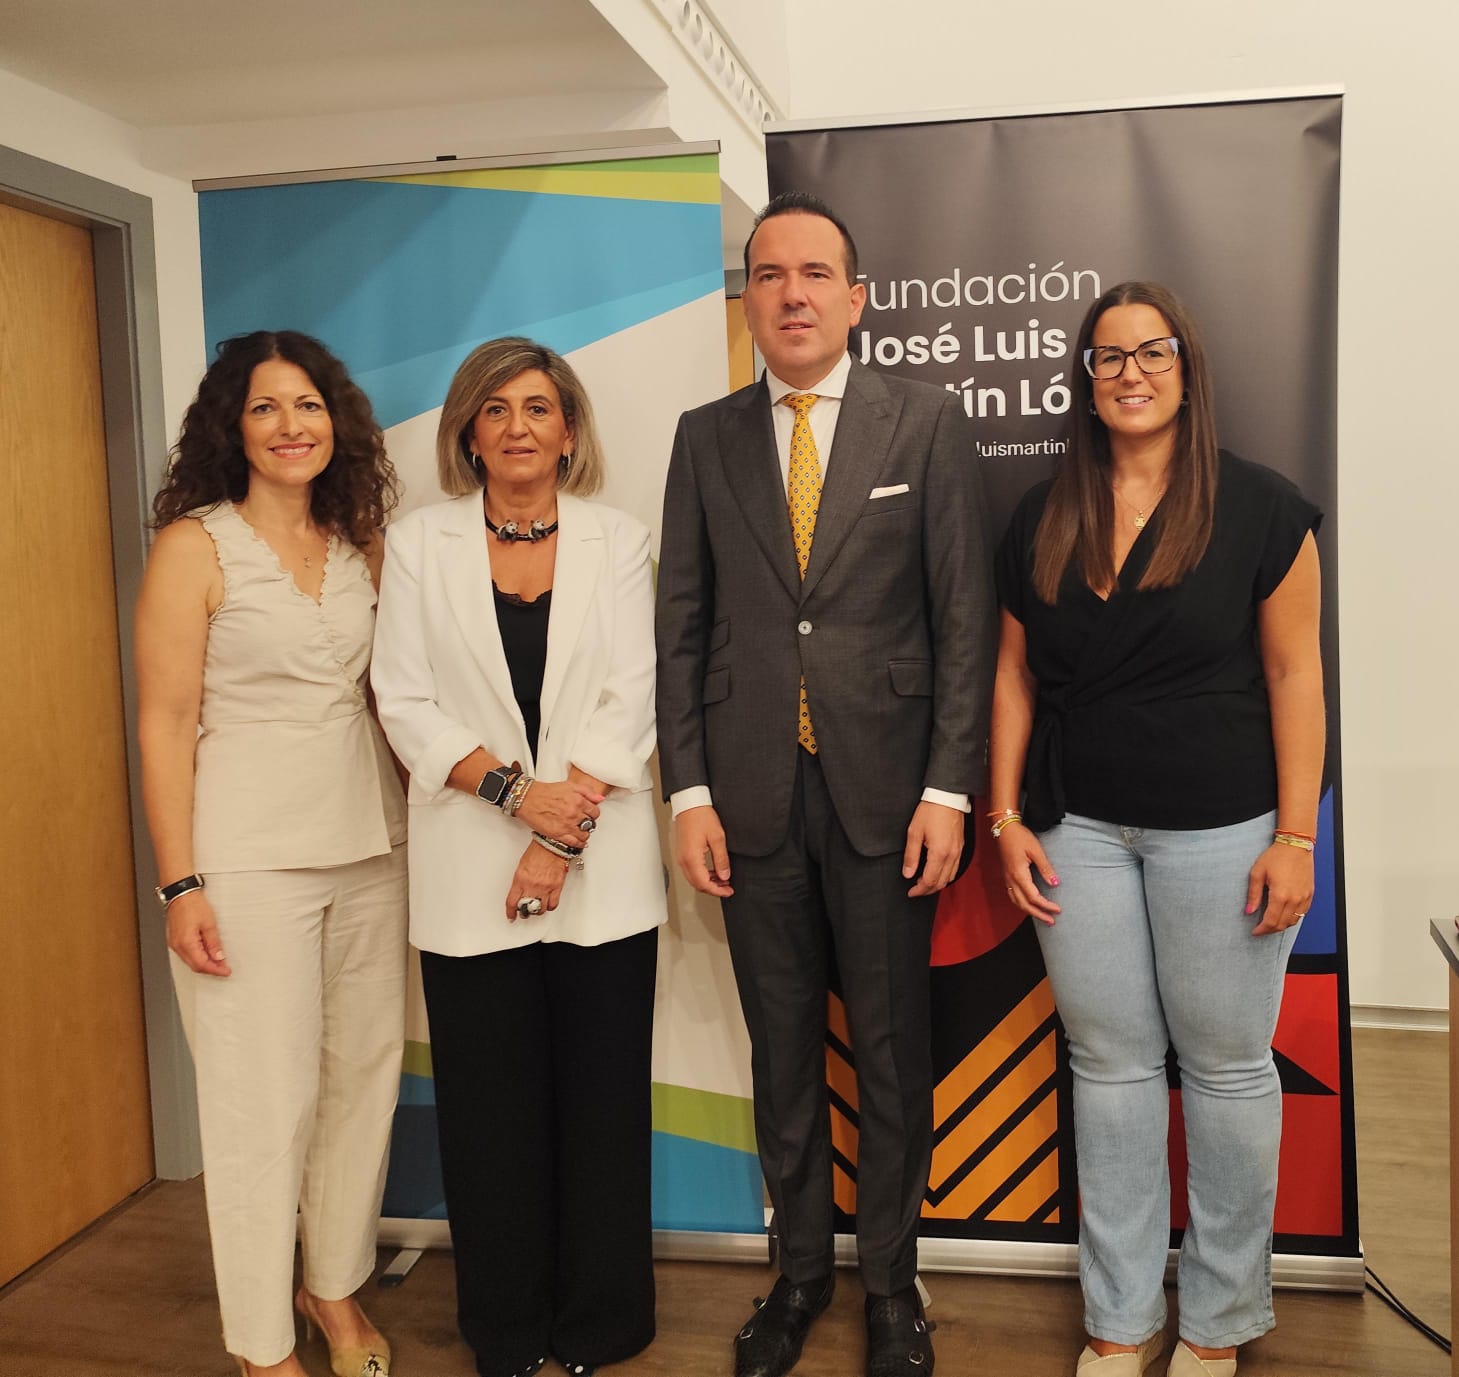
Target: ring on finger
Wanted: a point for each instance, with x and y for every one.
(529, 907)
(587, 825)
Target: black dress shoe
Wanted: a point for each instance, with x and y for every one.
(769, 1345)
(898, 1337)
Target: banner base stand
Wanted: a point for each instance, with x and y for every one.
(1290, 1271)
(399, 1268)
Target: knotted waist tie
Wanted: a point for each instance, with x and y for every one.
(1043, 770)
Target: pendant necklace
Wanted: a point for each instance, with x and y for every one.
(510, 530)
(1142, 514)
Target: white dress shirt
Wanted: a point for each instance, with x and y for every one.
(824, 415)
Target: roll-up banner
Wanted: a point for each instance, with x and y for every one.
(613, 259)
(982, 243)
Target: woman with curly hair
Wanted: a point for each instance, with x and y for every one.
(279, 829)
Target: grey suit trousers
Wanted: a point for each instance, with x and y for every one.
(811, 905)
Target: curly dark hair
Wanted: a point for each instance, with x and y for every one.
(354, 493)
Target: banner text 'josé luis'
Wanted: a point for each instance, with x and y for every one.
(988, 345)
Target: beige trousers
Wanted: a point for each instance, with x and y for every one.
(297, 1056)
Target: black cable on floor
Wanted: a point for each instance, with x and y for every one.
(1380, 1288)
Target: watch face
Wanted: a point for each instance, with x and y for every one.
(492, 786)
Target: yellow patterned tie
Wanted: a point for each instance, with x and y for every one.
(803, 490)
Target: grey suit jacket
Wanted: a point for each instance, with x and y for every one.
(894, 626)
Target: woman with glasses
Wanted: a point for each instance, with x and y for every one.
(1157, 758)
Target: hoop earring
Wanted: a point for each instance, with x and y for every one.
(478, 468)
(564, 466)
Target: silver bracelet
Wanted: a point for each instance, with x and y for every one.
(573, 855)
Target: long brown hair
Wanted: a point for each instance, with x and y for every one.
(1077, 526)
(352, 495)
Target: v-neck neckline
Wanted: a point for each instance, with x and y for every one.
(329, 547)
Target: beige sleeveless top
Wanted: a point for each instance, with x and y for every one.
(292, 771)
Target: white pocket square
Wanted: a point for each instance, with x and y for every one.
(889, 492)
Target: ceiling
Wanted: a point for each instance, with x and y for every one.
(190, 62)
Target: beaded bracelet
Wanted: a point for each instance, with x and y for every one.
(517, 793)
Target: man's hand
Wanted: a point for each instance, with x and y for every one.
(700, 850)
(938, 830)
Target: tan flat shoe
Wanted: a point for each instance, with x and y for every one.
(1184, 1363)
(1090, 1363)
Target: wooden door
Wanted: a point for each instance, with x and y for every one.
(76, 1131)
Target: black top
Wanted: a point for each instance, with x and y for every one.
(523, 627)
(1152, 709)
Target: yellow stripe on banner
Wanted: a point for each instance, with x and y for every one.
(968, 1075)
(993, 1111)
(697, 188)
(990, 1174)
(1018, 1206)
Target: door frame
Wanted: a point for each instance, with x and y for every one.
(125, 260)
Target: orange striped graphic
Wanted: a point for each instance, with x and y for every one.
(841, 1076)
(992, 1095)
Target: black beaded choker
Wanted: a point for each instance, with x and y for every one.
(509, 530)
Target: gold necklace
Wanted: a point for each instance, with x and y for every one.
(1142, 514)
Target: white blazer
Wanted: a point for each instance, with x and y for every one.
(443, 688)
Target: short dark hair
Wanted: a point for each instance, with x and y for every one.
(804, 203)
(352, 496)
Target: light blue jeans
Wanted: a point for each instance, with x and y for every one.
(1152, 948)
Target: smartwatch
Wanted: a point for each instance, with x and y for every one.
(495, 785)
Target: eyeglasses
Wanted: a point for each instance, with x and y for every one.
(1154, 356)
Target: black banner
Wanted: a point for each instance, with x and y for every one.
(982, 244)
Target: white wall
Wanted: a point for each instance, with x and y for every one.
(758, 29)
(1398, 468)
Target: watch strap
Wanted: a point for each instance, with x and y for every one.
(167, 893)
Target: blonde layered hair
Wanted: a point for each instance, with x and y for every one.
(483, 371)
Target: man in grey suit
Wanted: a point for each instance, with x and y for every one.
(826, 632)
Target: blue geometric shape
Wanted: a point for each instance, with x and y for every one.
(418, 1090)
(402, 390)
(390, 273)
(702, 1186)
(413, 1186)
(1318, 934)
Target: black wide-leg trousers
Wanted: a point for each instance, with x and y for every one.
(541, 1057)
(815, 899)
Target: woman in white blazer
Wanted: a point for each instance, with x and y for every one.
(514, 674)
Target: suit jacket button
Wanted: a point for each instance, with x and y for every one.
(804, 628)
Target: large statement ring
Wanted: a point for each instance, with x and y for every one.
(1299, 915)
(529, 908)
(587, 825)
